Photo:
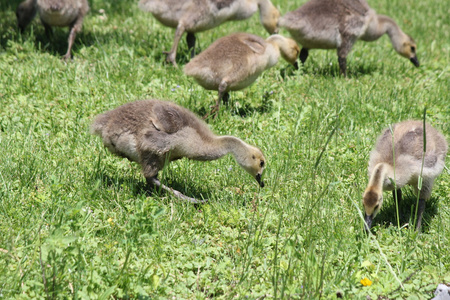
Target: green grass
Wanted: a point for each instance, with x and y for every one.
(77, 222)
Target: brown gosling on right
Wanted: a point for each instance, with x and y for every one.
(60, 13)
(193, 16)
(235, 61)
(338, 24)
(405, 167)
(153, 132)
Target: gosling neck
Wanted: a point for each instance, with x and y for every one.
(381, 176)
(377, 176)
(268, 15)
(229, 144)
(276, 42)
(388, 26)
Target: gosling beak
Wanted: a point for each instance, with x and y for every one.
(368, 222)
(415, 61)
(258, 178)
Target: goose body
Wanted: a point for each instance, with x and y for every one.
(402, 164)
(338, 24)
(59, 13)
(152, 132)
(193, 16)
(235, 61)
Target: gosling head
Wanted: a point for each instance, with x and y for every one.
(269, 16)
(254, 163)
(372, 201)
(25, 13)
(289, 49)
(407, 49)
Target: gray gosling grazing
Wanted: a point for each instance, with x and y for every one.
(338, 24)
(405, 167)
(60, 13)
(193, 16)
(153, 132)
(235, 61)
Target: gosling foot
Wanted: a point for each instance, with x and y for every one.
(170, 58)
(155, 183)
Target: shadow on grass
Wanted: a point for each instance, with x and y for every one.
(356, 69)
(140, 187)
(407, 209)
(244, 110)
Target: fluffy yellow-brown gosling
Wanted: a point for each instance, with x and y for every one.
(391, 168)
(193, 16)
(54, 13)
(235, 61)
(338, 24)
(152, 132)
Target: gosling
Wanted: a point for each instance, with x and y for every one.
(338, 24)
(402, 164)
(54, 13)
(193, 16)
(235, 61)
(153, 132)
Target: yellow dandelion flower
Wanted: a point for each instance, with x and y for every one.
(110, 221)
(366, 282)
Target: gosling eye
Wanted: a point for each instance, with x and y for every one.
(253, 157)
(261, 164)
(413, 49)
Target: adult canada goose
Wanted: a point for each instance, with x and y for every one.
(60, 13)
(152, 132)
(392, 167)
(338, 24)
(193, 16)
(235, 61)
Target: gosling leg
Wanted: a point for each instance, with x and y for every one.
(171, 55)
(343, 51)
(303, 55)
(153, 181)
(397, 194)
(48, 30)
(73, 33)
(343, 65)
(420, 211)
(190, 39)
(223, 95)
